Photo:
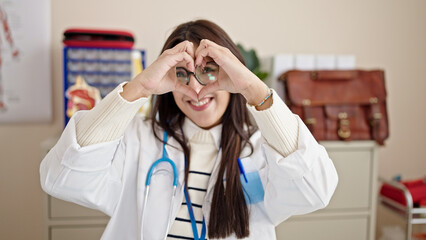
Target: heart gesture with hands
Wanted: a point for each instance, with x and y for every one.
(160, 77)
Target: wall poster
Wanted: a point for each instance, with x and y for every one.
(25, 82)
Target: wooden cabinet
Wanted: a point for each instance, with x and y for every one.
(67, 221)
(351, 213)
(88, 232)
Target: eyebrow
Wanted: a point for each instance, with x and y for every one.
(182, 68)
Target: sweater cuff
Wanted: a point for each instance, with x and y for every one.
(108, 120)
(278, 125)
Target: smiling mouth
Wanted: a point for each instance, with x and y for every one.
(200, 105)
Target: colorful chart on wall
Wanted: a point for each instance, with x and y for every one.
(25, 84)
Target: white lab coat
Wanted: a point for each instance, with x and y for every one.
(111, 176)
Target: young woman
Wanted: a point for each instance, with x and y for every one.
(234, 180)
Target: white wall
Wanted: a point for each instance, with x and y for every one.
(388, 34)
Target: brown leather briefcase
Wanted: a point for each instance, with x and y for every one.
(339, 104)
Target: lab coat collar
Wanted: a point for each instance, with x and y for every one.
(190, 128)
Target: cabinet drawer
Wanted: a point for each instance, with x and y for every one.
(76, 232)
(355, 176)
(62, 209)
(330, 229)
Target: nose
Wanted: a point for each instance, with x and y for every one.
(194, 84)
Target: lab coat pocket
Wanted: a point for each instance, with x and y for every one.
(253, 187)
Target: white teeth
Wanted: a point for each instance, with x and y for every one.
(200, 103)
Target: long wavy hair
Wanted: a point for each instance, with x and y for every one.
(229, 212)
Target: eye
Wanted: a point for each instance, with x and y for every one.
(208, 70)
(211, 68)
(181, 73)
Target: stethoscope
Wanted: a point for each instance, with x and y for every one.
(166, 159)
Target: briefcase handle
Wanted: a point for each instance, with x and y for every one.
(326, 75)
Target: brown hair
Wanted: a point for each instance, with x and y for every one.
(229, 213)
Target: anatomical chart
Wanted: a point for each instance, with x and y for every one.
(25, 83)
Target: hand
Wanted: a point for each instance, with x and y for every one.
(160, 76)
(234, 77)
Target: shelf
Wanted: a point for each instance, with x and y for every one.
(418, 221)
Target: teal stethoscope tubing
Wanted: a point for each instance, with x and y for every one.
(165, 159)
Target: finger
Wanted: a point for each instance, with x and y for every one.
(189, 48)
(211, 88)
(190, 92)
(181, 57)
(185, 46)
(205, 43)
(202, 64)
(207, 48)
(180, 47)
(208, 52)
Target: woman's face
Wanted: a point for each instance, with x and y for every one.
(207, 112)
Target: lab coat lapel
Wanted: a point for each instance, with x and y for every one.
(146, 159)
(160, 185)
(176, 155)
